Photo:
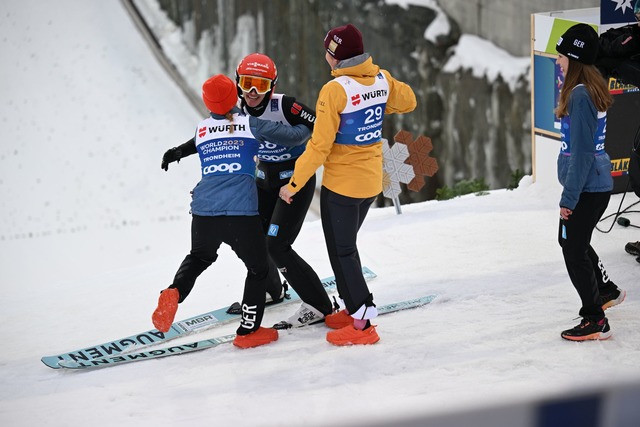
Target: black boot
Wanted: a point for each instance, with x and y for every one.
(633, 248)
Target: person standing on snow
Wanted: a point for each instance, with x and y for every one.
(225, 207)
(584, 171)
(347, 141)
(256, 78)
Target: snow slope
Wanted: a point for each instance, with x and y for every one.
(92, 229)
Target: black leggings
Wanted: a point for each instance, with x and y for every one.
(282, 223)
(245, 236)
(342, 217)
(574, 236)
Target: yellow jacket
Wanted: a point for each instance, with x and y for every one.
(350, 170)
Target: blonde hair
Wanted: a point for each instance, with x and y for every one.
(589, 76)
(229, 116)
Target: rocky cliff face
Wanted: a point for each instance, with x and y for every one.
(479, 128)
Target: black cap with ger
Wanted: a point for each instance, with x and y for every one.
(580, 43)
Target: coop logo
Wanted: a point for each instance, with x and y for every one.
(223, 167)
(369, 136)
(202, 132)
(355, 99)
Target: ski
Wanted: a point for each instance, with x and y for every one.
(208, 343)
(178, 329)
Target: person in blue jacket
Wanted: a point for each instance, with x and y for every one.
(256, 78)
(584, 170)
(225, 207)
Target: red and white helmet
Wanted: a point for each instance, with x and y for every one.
(256, 71)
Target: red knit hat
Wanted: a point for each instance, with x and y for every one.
(344, 42)
(219, 94)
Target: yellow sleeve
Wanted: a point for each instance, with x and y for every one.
(401, 96)
(331, 101)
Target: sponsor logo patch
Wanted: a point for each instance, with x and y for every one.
(286, 174)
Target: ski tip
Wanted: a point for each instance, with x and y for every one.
(419, 302)
(368, 272)
(46, 360)
(67, 364)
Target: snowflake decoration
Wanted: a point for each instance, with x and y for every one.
(394, 168)
(419, 150)
(624, 4)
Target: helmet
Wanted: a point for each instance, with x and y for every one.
(258, 65)
(256, 71)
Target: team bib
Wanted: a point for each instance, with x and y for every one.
(565, 134)
(226, 148)
(361, 119)
(272, 151)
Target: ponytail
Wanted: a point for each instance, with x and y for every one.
(229, 116)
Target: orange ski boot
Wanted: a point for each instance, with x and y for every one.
(256, 338)
(351, 336)
(338, 320)
(167, 307)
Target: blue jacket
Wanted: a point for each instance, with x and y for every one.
(583, 164)
(232, 191)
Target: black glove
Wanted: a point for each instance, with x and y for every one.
(172, 155)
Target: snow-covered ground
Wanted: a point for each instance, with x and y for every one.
(92, 229)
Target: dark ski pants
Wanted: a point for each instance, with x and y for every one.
(342, 217)
(605, 284)
(245, 236)
(581, 260)
(282, 223)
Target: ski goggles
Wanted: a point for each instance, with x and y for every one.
(260, 84)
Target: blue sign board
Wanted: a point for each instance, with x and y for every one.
(618, 11)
